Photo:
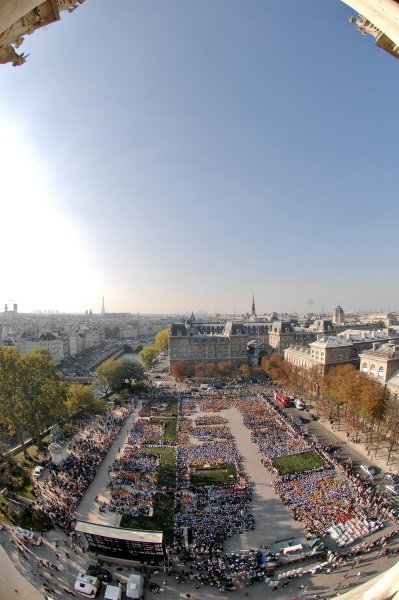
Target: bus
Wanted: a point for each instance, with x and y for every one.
(282, 400)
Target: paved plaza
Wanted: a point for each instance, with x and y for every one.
(273, 519)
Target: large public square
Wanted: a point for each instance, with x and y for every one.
(234, 498)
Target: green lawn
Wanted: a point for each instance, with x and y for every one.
(167, 467)
(162, 519)
(224, 474)
(32, 452)
(297, 463)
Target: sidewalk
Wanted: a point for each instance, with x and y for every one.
(372, 456)
(88, 507)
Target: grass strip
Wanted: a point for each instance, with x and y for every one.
(225, 474)
(298, 463)
(167, 467)
(162, 519)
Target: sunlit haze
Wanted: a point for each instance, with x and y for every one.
(180, 156)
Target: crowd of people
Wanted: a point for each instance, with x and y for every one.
(61, 491)
(133, 480)
(323, 498)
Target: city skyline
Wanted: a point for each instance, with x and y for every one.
(171, 157)
(14, 308)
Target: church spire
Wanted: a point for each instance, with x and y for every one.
(253, 311)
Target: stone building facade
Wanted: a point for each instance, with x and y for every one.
(381, 362)
(195, 343)
(338, 316)
(344, 348)
(22, 17)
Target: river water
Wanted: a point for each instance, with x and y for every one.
(135, 356)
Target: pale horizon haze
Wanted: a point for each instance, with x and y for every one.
(181, 156)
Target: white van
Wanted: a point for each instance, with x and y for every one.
(135, 586)
(113, 592)
(87, 585)
(28, 537)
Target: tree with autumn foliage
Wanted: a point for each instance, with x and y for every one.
(180, 369)
(162, 340)
(275, 366)
(204, 370)
(224, 368)
(245, 372)
(390, 425)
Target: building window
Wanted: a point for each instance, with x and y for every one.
(381, 372)
(321, 355)
(372, 370)
(317, 355)
(365, 366)
(340, 355)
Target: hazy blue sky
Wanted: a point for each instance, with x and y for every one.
(181, 155)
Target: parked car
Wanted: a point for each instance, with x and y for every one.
(391, 478)
(392, 489)
(37, 471)
(370, 471)
(303, 420)
(298, 404)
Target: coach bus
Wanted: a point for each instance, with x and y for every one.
(282, 400)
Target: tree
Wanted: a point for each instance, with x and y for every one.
(245, 371)
(313, 378)
(11, 412)
(3, 441)
(275, 367)
(374, 399)
(149, 356)
(80, 399)
(224, 368)
(112, 333)
(42, 395)
(391, 425)
(103, 379)
(127, 370)
(180, 369)
(113, 374)
(203, 370)
(162, 340)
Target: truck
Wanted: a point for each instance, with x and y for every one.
(113, 592)
(282, 400)
(135, 586)
(87, 585)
